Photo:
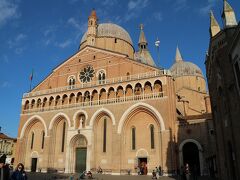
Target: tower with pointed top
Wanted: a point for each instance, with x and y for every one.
(214, 26)
(142, 42)
(178, 57)
(143, 53)
(92, 28)
(228, 15)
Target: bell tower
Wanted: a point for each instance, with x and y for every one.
(92, 28)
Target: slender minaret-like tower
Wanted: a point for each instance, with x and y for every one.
(143, 48)
(228, 15)
(92, 28)
(214, 26)
(178, 57)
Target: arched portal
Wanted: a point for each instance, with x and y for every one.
(191, 156)
(78, 154)
(190, 151)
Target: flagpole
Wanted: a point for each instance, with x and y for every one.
(157, 44)
(31, 78)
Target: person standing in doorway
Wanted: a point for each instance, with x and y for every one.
(187, 172)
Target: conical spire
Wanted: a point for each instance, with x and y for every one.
(142, 42)
(178, 57)
(93, 14)
(228, 15)
(214, 26)
(143, 53)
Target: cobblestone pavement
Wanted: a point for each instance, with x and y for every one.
(51, 176)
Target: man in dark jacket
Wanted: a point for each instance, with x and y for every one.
(4, 170)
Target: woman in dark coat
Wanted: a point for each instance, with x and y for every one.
(19, 173)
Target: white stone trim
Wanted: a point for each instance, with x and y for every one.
(99, 111)
(29, 121)
(79, 112)
(200, 152)
(146, 106)
(56, 116)
(34, 152)
(142, 149)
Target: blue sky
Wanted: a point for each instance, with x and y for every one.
(40, 34)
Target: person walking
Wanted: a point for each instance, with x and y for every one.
(187, 172)
(4, 170)
(19, 173)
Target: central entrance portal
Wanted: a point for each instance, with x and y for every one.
(191, 156)
(142, 164)
(81, 154)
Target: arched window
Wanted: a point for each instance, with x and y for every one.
(101, 77)
(71, 82)
(38, 103)
(63, 136)
(32, 104)
(43, 136)
(51, 101)
(26, 105)
(133, 138)
(44, 102)
(104, 135)
(32, 140)
(152, 136)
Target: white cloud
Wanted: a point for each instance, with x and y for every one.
(109, 2)
(64, 44)
(158, 16)
(5, 58)
(180, 5)
(72, 21)
(5, 84)
(135, 8)
(8, 11)
(139, 4)
(17, 40)
(49, 30)
(206, 9)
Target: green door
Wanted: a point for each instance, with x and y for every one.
(81, 154)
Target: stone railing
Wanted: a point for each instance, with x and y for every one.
(98, 102)
(99, 83)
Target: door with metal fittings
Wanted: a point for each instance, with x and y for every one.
(81, 157)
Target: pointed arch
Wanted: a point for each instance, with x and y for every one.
(29, 121)
(56, 116)
(143, 105)
(100, 111)
(76, 114)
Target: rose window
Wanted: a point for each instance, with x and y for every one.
(86, 74)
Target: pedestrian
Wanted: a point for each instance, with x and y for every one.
(19, 173)
(187, 172)
(4, 170)
(157, 172)
(154, 176)
(160, 170)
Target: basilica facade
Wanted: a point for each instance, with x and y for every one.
(110, 106)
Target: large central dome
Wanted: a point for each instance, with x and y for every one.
(110, 30)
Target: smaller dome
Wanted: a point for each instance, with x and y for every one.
(183, 68)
